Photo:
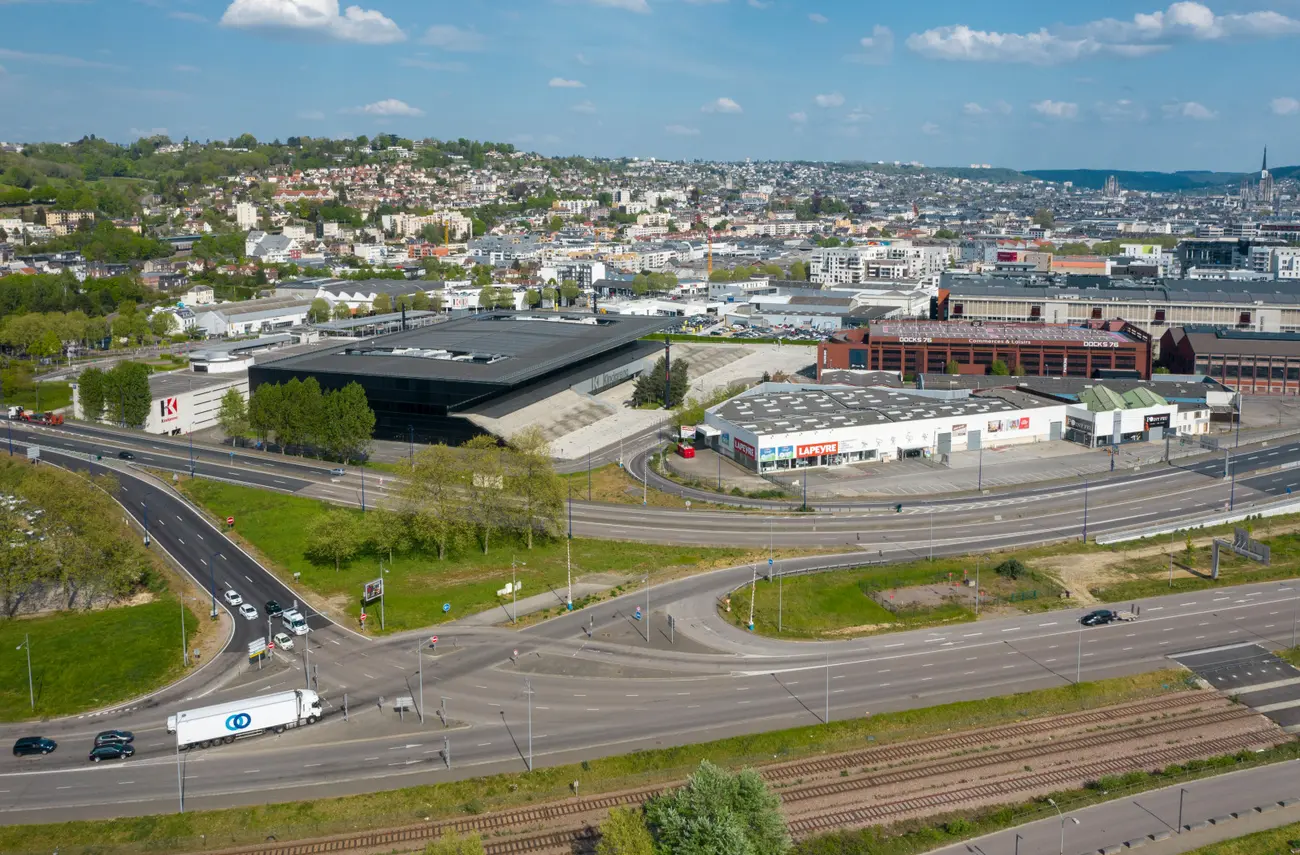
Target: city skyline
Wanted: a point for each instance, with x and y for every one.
(1119, 86)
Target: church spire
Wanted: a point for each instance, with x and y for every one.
(1264, 168)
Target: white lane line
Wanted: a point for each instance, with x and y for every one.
(1052, 623)
(484, 744)
(310, 765)
(251, 771)
(1011, 629)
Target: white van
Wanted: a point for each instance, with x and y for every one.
(294, 622)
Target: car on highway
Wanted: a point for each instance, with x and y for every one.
(248, 610)
(34, 745)
(1100, 617)
(338, 472)
(111, 752)
(126, 455)
(294, 622)
(273, 608)
(114, 737)
(233, 598)
(283, 641)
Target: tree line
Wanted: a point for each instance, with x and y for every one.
(649, 388)
(66, 547)
(119, 395)
(46, 335)
(337, 424)
(453, 499)
(47, 292)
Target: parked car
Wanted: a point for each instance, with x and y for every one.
(233, 598)
(34, 745)
(283, 641)
(114, 737)
(126, 455)
(111, 752)
(1100, 617)
(273, 608)
(248, 610)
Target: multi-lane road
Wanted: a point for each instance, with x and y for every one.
(597, 684)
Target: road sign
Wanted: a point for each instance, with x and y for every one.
(270, 645)
(508, 589)
(256, 648)
(638, 613)
(374, 590)
(433, 639)
(33, 452)
(446, 607)
(230, 520)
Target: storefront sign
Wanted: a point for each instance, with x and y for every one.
(958, 430)
(1101, 344)
(726, 439)
(1161, 421)
(785, 452)
(912, 340)
(1075, 423)
(767, 454)
(743, 448)
(994, 427)
(818, 450)
(688, 431)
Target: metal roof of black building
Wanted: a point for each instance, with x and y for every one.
(500, 348)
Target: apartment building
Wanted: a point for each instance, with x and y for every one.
(63, 223)
(246, 216)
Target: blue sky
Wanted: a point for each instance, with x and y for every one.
(1012, 83)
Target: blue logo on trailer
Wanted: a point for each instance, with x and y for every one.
(239, 721)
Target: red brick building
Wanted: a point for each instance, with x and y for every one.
(1039, 350)
(1255, 363)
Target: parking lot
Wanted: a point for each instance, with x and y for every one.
(711, 326)
(1253, 675)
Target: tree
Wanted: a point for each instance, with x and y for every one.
(420, 301)
(531, 479)
(383, 304)
(1019, 370)
(162, 324)
(386, 530)
(341, 311)
(301, 416)
(650, 385)
(264, 410)
(451, 843)
(233, 414)
(1043, 218)
(799, 271)
(718, 813)
(624, 833)
(319, 311)
(532, 298)
(346, 422)
(549, 296)
(556, 224)
(127, 395)
(90, 392)
(433, 501)
(569, 291)
(484, 486)
(333, 536)
(952, 367)
(999, 369)
(487, 298)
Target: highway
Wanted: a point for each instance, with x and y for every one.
(598, 685)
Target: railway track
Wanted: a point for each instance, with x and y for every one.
(973, 739)
(529, 816)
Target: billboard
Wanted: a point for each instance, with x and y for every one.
(743, 448)
(169, 409)
(1161, 420)
(374, 590)
(958, 431)
(688, 431)
(785, 452)
(767, 454)
(817, 449)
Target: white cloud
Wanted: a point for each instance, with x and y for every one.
(1143, 35)
(929, 129)
(1003, 107)
(1188, 110)
(834, 99)
(561, 83)
(584, 107)
(818, 18)
(629, 5)
(877, 48)
(318, 18)
(387, 107)
(451, 37)
(1285, 106)
(799, 117)
(682, 131)
(722, 105)
(1056, 109)
(856, 115)
(311, 115)
(974, 108)
(971, 108)
(1122, 110)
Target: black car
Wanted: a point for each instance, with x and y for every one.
(114, 737)
(34, 745)
(111, 752)
(126, 455)
(273, 608)
(1101, 617)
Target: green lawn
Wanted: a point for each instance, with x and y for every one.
(1151, 574)
(417, 585)
(233, 827)
(1275, 842)
(837, 604)
(86, 660)
(53, 396)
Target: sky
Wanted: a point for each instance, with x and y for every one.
(1105, 85)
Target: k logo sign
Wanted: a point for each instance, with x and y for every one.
(238, 721)
(169, 406)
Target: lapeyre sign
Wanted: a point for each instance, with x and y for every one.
(743, 448)
(818, 449)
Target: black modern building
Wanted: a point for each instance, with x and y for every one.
(423, 383)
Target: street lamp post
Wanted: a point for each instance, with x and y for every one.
(31, 686)
(528, 690)
(410, 438)
(145, 503)
(1232, 489)
(191, 453)
(1063, 818)
(212, 581)
(753, 585)
(1085, 509)
(363, 489)
(9, 423)
(1182, 791)
(979, 484)
(185, 640)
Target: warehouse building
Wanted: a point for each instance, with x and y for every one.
(183, 401)
(1254, 363)
(425, 384)
(934, 347)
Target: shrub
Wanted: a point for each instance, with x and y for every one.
(1011, 569)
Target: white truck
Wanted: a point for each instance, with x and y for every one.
(224, 723)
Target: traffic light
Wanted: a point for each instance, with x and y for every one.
(898, 509)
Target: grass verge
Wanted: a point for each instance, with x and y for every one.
(923, 835)
(297, 820)
(1273, 842)
(87, 660)
(867, 600)
(613, 485)
(417, 584)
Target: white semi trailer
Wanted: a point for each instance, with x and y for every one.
(224, 723)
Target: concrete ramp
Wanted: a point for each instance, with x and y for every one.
(556, 416)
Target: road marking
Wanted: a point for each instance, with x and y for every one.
(1053, 659)
(494, 705)
(1156, 609)
(883, 685)
(899, 644)
(480, 687)
(972, 634)
(310, 765)
(631, 696)
(364, 759)
(251, 771)
(743, 689)
(1127, 648)
(597, 709)
(64, 788)
(1187, 604)
(1220, 599)
(182, 542)
(484, 744)
(693, 706)
(1053, 623)
(367, 676)
(680, 694)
